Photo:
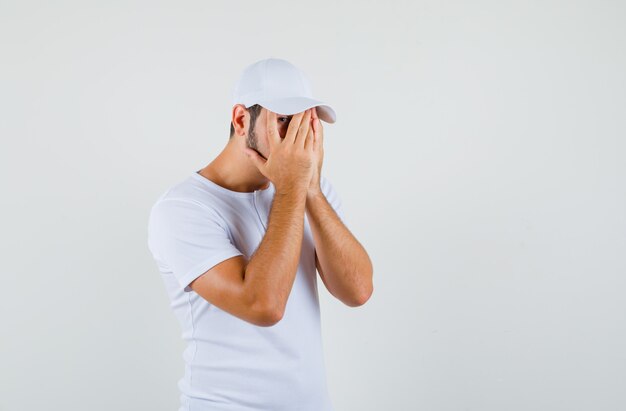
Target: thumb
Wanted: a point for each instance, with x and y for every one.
(256, 159)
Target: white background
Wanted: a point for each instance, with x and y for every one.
(479, 152)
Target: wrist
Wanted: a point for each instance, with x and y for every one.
(314, 192)
(291, 191)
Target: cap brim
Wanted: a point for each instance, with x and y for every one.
(293, 105)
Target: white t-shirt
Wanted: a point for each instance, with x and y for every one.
(231, 364)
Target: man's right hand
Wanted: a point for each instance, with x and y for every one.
(291, 161)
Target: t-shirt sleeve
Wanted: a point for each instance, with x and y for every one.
(332, 196)
(188, 238)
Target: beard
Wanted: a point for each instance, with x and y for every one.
(252, 142)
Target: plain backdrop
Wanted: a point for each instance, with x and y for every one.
(479, 151)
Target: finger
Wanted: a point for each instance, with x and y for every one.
(319, 130)
(310, 140)
(314, 113)
(316, 120)
(292, 129)
(303, 129)
(315, 125)
(256, 159)
(273, 136)
(316, 139)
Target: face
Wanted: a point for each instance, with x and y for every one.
(256, 137)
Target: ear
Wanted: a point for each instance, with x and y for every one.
(240, 119)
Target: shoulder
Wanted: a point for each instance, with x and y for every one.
(188, 195)
(325, 184)
(184, 202)
(328, 188)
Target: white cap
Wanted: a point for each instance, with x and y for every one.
(279, 86)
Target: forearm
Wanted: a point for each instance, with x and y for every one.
(271, 270)
(347, 269)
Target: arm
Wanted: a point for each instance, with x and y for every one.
(271, 271)
(257, 290)
(343, 263)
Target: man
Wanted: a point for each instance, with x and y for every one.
(238, 243)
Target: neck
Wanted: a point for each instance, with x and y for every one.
(233, 170)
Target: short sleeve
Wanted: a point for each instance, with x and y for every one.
(188, 238)
(332, 196)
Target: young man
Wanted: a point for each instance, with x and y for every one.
(238, 243)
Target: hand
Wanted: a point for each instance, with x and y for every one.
(290, 164)
(318, 152)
